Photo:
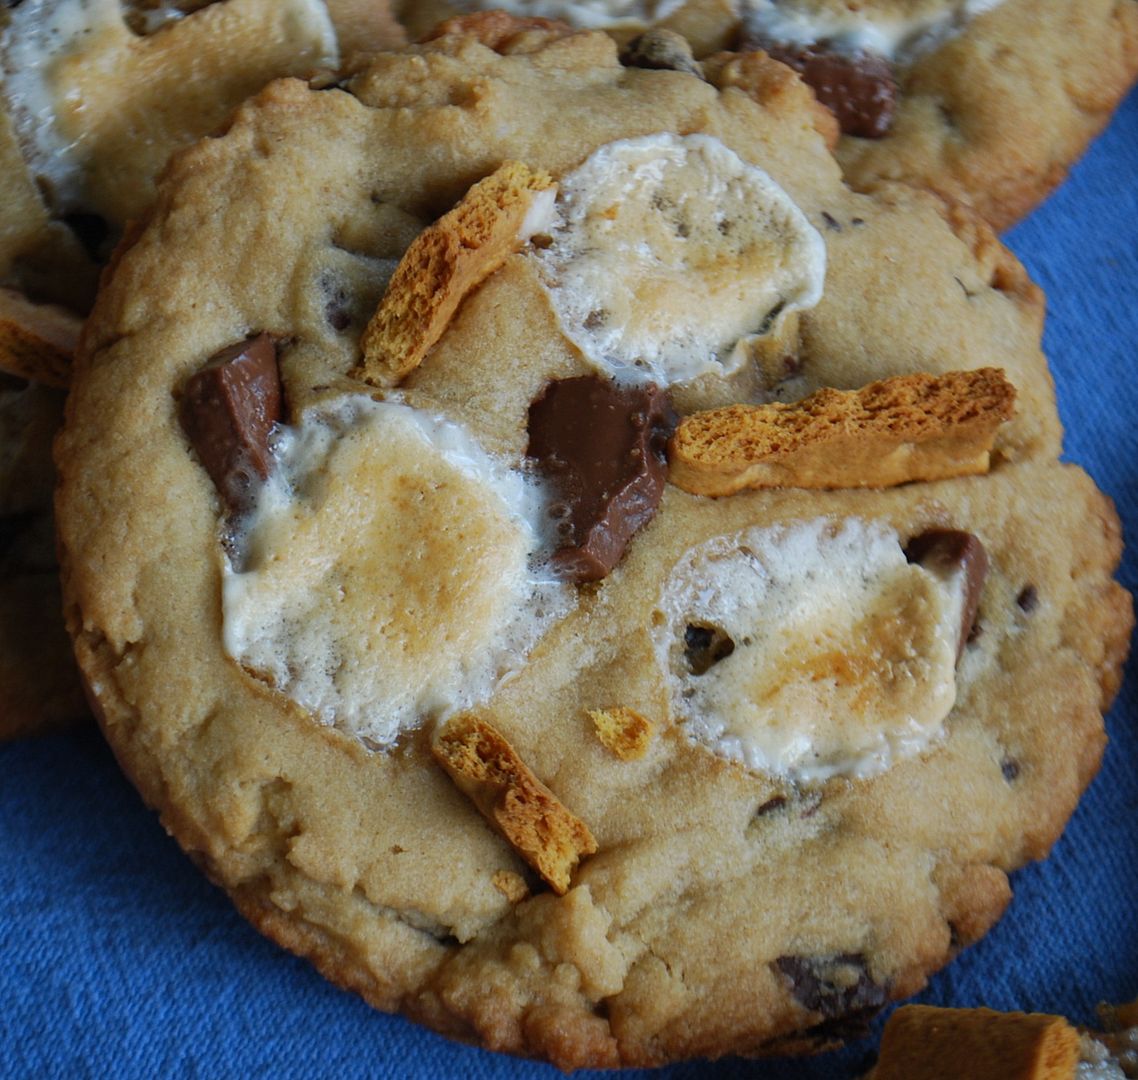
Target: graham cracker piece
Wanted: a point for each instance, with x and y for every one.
(909, 427)
(623, 731)
(37, 341)
(487, 769)
(444, 263)
(926, 1043)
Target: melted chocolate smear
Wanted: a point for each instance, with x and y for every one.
(227, 410)
(705, 646)
(946, 552)
(838, 987)
(603, 449)
(858, 88)
(660, 50)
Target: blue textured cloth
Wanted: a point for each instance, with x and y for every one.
(118, 958)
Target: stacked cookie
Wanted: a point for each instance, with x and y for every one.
(555, 474)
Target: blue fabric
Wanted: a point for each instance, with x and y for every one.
(118, 958)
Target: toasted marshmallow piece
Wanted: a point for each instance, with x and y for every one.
(586, 14)
(387, 570)
(900, 30)
(670, 251)
(811, 650)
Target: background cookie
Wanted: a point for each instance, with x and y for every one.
(986, 102)
(324, 920)
(94, 95)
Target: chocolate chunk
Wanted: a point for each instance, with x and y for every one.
(1010, 769)
(660, 50)
(1028, 599)
(227, 411)
(705, 646)
(947, 552)
(858, 88)
(775, 802)
(835, 986)
(603, 448)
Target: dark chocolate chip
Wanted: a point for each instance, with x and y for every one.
(1010, 768)
(858, 88)
(705, 646)
(838, 987)
(857, 222)
(1028, 599)
(227, 410)
(337, 313)
(775, 802)
(603, 448)
(832, 222)
(946, 552)
(660, 50)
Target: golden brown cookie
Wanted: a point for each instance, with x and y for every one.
(284, 584)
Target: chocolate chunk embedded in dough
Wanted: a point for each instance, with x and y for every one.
(835, 986)
(946, 552)
(858, 88)
(602, 446)
(227, 411)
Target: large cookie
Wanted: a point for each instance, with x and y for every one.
(345, 664)
(988, 102)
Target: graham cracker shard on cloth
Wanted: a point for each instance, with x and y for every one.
(922, 1042)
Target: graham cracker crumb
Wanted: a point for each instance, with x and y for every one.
(906, 428)
(623, 731)
(487, 769)
(512, 886)
(444, 263)
(926, 1043)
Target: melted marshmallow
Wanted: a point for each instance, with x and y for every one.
(833, 654)
(900, 31)
(670, 251)
(586, 14)
(389, 570)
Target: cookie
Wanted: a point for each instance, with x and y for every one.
(988, 102)
(368, 649)
(94, 96)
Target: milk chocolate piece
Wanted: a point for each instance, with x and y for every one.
(858, 88)
(227, 411)
(946, 552)
(603, 448)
